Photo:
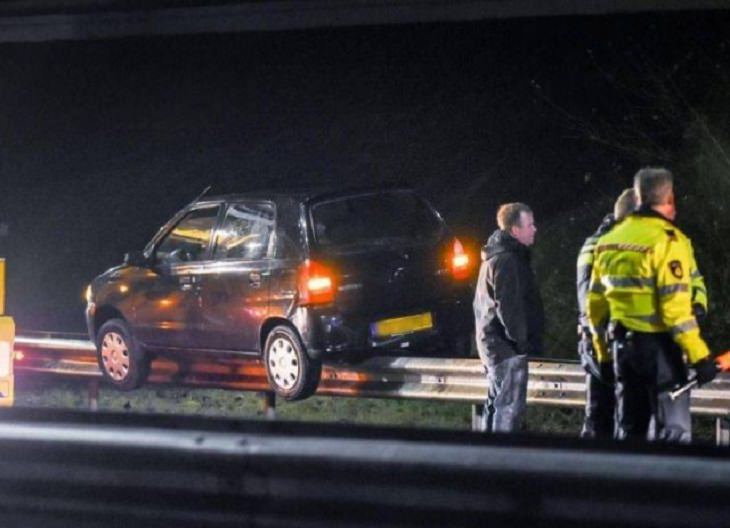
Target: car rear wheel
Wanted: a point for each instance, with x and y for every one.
(290, 371)
(121, 361)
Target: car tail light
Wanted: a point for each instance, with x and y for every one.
(316, 283)
(460, 261)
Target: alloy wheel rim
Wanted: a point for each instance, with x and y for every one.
(115, 356)
(283, 363)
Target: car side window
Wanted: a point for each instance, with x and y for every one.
(245, 232)
(188, 241)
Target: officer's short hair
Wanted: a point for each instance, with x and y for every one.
(508, 215)
(653, 186)
(625, 204)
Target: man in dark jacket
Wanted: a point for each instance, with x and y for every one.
(509, 316)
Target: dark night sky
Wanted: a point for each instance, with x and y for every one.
(102, 141)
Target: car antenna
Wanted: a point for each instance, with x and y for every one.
(205, 191)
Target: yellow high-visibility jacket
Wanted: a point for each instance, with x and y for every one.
(642, 277)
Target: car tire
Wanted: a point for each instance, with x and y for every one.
(121, 361)
(290, 371)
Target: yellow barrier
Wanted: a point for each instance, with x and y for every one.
(7, 339)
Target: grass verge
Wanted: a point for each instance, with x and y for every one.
(69, 394)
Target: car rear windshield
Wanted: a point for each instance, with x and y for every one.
(375, 219)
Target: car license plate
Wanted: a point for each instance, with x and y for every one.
(402, 325)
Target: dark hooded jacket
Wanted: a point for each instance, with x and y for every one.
(585, 266)
(507, 304)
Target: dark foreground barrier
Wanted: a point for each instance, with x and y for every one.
(72, 469)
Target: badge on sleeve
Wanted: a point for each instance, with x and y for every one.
(675, 267)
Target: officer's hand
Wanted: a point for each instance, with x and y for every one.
(585, 346)
(588, 357)
(706, 370)
(699, 311)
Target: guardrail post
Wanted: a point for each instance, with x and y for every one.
(269, 401)
(94, 394)
(722, 431)
(477, 417)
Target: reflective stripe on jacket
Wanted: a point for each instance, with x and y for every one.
(699, 290)
(642, 277)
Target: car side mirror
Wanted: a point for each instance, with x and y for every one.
(135, 258)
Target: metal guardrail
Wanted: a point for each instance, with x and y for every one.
(551, 382)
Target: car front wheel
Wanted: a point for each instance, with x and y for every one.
(121, 361)
(290, 371)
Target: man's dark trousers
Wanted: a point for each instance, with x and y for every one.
(506, 395)
(600, 408)
(648, 366)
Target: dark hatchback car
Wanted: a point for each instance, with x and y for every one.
(292, 278)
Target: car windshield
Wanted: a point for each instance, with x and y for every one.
(373, 219)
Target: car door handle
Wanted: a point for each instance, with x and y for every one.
(254, 279)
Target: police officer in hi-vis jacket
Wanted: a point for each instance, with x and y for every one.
(640, 307)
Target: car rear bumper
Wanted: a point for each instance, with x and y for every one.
(330, 335)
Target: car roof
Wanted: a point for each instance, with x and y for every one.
(318, 193)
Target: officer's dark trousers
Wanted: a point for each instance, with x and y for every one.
(648, 367)
(600, 407)
(506, 395)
